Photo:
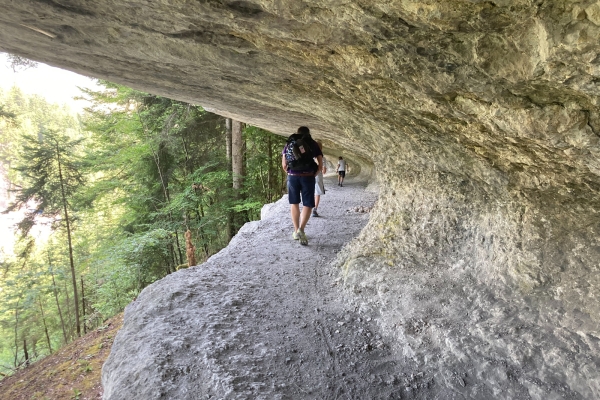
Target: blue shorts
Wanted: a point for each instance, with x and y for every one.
(304, 185)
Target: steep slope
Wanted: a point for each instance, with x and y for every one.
(71, 373)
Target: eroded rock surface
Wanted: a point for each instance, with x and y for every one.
(479, 120)
(265, 318)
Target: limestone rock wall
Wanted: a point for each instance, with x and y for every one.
(479, 119)
(477, 287)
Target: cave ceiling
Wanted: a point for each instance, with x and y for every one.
(512, 84)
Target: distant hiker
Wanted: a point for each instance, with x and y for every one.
(319, 187)
(341, 170)
(298, 160)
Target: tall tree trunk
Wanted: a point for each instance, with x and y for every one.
(26, 353)
(62, 321)
(228, 125)
(45, 326)
(244, 155)
(69, 313)
(68, 224)
(34, 351)
(173, 265)
(270, 170)
(178, 247)
(16, 334)
(83, 306)
(237, 166)
(244, 169)
(237, 154)
(184, 146)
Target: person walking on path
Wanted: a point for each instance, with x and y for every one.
(341, 170)
(319, 186)
(298, 161)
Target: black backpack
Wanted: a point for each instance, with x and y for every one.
(299, 153)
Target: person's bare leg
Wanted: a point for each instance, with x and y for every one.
(295, 211)
(304, 217)
(317, 199)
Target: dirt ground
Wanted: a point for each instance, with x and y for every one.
(266, 318)
(72, 373)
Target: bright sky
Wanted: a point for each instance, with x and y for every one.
(55, 84)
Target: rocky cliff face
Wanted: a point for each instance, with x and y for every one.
(479, 120)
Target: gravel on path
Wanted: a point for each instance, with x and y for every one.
(265, 318)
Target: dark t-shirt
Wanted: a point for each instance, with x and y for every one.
(316, 152)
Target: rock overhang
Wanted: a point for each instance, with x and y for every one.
(511, 83)
(480, 119)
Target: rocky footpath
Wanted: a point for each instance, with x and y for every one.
(265, 318)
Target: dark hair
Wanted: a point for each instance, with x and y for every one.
(303, 130)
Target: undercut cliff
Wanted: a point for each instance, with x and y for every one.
(478, 120)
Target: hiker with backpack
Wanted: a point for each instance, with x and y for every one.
(298, 161)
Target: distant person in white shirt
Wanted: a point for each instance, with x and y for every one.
(319, 187)
(341, 170)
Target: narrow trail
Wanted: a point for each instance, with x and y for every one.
(265, 318)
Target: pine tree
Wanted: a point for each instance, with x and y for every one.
(52, 175)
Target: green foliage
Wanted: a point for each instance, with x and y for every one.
(22, 115)
(265, 179)
(125, 269)
(85, 366)
(28, 312)
(51, 175)
(137, 172)
(6, 115)
(76, 394)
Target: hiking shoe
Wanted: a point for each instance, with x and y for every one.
(315, 213)
(295, 235)
(303, 238)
